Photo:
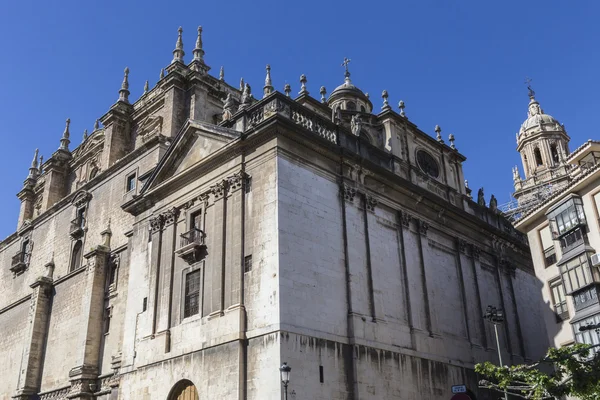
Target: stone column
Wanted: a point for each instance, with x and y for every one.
(234, 281)
(32, 361)
(156, 228)
(83, 376)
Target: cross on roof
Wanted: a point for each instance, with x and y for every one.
(345, 63)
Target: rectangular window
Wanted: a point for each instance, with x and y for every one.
(145, 304)
(192, 294)
(248, 187)
(588, 336)
(321, 377)
(567, 216)
(576, 274)
(130, 183)
(559, 300)
(248, 263)
(585, 298)
(571, 240)
(548, 246)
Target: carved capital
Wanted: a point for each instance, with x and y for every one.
(462, 246)
(170, 216)
(237, 181)
(203, 198)
(156, 223)
(370, 203)
(423, 227)
(405, 219)
(348, 192)
(219, 190)
(476, 252)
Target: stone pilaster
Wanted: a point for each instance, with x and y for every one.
(31, 361)
(219, 194)
(27, 198)
(156, 230)
(55, 185)
(83, 376)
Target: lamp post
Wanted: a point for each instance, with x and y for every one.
(284, 371)
(496, 317)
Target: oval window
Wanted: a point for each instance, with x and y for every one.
(428, 164)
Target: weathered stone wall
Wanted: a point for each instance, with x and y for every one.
(13, 325)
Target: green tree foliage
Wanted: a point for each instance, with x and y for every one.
(574, 371)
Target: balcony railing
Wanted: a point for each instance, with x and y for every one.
(192, 247)
(19, 262)
(77, 226)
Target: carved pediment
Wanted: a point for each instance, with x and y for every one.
(90, 145)
(150, 126)
(193, 144)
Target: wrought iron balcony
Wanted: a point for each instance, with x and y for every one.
(19, 262)
(192, 247)
(77, 227)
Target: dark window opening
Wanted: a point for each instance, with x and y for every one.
(130, 183)
(538, 157)
(248, 263)
(362, 109)
(321, 379)
(554, 153)
(550, 256)
(145, 304)
(76, 256)
(107, 316)
(351, 106)
(196, 220)
(248, 187)
(428, 164)
(93, 173)
(192, 294)
(80, 217)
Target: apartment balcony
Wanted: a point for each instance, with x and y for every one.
(192, 247)
(19, 262)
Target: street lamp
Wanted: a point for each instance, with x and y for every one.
(284, 371)
(496, 317)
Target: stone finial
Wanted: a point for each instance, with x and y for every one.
(242, 84)
(246, 97)
(384, 96)
(85, 135)
(222, 74)
(50, 267)
(146, 87)
(228, 107)
(438, 133)
(178, 53)
(287, 89)
(451, 140)
(323, 92)
(64, 141)
(96, 125)
(198, 51)
(41, 169)
(124, 92)
(367, 95)
(268, 88)
(303, 81)
(401, 106)
(162, 73)
(33, 169)
(106, 235)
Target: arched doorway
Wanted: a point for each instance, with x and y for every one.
(184, 390)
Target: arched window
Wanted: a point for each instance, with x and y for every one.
(351, 106)
(183, 390)
(554, 153)
(76, 255)
(93, 173)
(538, 157)
(362, 109)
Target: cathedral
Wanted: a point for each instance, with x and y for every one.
(201, 236)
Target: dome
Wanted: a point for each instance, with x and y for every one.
(537, 118)
(348, 94)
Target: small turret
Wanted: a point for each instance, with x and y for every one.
(268, 88)
(124, 91)
(64, 141)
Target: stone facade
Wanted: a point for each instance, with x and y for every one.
(201, 237)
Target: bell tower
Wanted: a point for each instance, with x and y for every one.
(544, 147)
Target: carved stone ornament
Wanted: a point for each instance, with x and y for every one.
(218, 190)
(170, 216)
(462, 246)
(476, 252)
(156, 223)
(349, 192)
(150, 126)
(423, 227)
(81, 199)
(371, 203)
(405, 219)
(203, 198)
(237, 181)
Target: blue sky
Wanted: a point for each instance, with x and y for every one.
(457, 63)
